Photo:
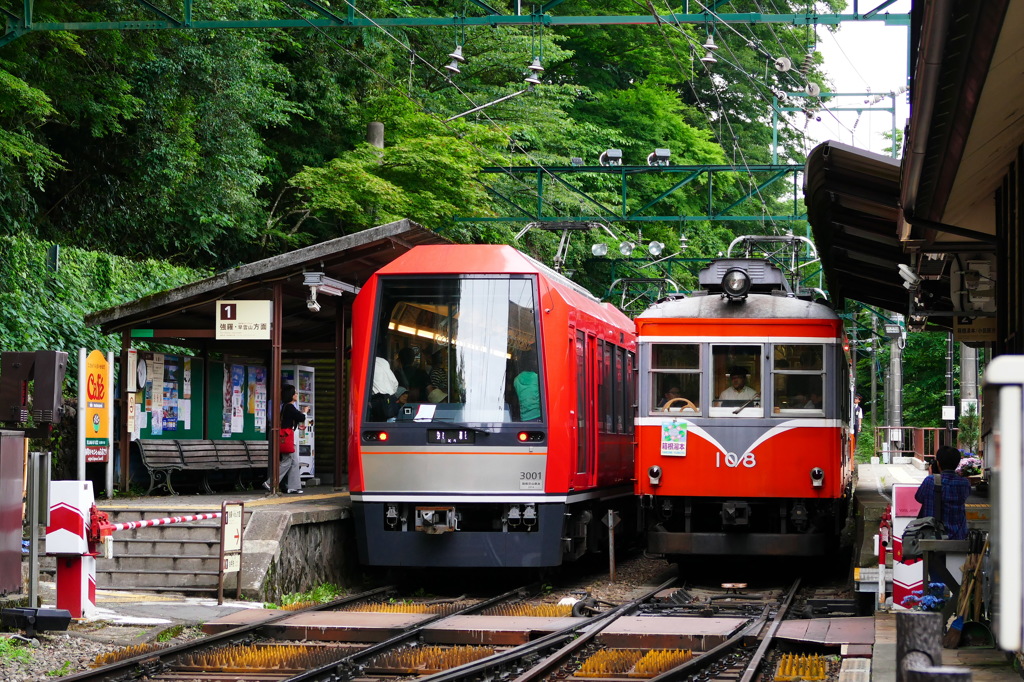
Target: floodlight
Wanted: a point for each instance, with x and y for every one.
(659, 157)
(655, 248)
(599, 249)
(611, 157)
(626, 248)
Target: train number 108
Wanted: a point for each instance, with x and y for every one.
(732, 460)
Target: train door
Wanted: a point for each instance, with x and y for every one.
(586, 422)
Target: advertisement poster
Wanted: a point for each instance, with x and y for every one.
(98, 396)
(258, 396)
(225, 429)
(237, 407)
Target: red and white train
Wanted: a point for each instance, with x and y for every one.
(493, 415)
(743, 429)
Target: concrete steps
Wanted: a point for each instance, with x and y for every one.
(181, 557)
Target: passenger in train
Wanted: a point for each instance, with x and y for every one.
(527, 386)
(737, 390)
(412, 375)
(671, 394)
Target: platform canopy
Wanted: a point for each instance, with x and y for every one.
(948, 212)
(186, 315)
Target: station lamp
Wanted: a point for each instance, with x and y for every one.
(655, 248)
(599, 249)
(626, 248)
(659, 157)
(611, 157)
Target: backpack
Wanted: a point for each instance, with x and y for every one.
(927, 528)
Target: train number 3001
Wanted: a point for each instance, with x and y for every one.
(732, 460)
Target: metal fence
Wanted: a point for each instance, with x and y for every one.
(911, 441)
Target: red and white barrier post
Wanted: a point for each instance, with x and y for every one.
(67, 537)
(76, 531)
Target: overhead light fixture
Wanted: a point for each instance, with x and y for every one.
(576, 161)
(659, 157)
(655, 248)
(626, 248)
(611, 157)
(599, 249)
(327, 285)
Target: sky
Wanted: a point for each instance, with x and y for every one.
(862, 57)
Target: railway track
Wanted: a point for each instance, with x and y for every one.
(650, 637)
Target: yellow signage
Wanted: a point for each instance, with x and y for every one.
(98, 402)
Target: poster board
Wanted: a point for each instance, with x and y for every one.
(237, 402)
(169, 396)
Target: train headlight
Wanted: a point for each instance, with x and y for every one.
(817, 477)
(736, 283)
(654, 474)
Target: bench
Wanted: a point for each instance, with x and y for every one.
(164, 457)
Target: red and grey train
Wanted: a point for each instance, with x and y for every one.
(493, 414)
(743, 426)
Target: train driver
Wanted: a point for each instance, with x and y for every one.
(737, 392)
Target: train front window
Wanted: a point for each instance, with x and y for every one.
(675, 378)
(798, 379)
(457, 349)
(736, 380)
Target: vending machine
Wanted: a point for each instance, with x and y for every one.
(304, 380)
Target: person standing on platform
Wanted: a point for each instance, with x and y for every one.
(291, 418)
(955, 490)
(858, 419)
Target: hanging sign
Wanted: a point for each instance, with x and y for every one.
(97, 400)
(243, 320)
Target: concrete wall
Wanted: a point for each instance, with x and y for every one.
(294, 550)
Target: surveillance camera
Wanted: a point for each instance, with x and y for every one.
(313, 305)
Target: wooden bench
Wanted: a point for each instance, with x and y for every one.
(163, 457)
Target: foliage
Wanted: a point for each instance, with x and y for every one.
(969, 428)
(66, 668)
(170, 633)
(969, 466)
(933, 600)
(14, 650)
(320, 594)
(45, 309)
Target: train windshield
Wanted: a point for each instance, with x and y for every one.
(459, 349)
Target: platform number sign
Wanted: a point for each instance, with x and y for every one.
(248, 320)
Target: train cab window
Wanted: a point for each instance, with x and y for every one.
(675, 378)
(476, 343)
(798, 370)
(736, 380)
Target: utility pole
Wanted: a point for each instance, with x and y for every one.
(949, 389)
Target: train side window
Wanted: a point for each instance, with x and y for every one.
(630, 390)
(737, 380)
(798, 370)
(675, 378)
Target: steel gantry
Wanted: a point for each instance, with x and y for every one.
(182, 15)
(715, 209)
